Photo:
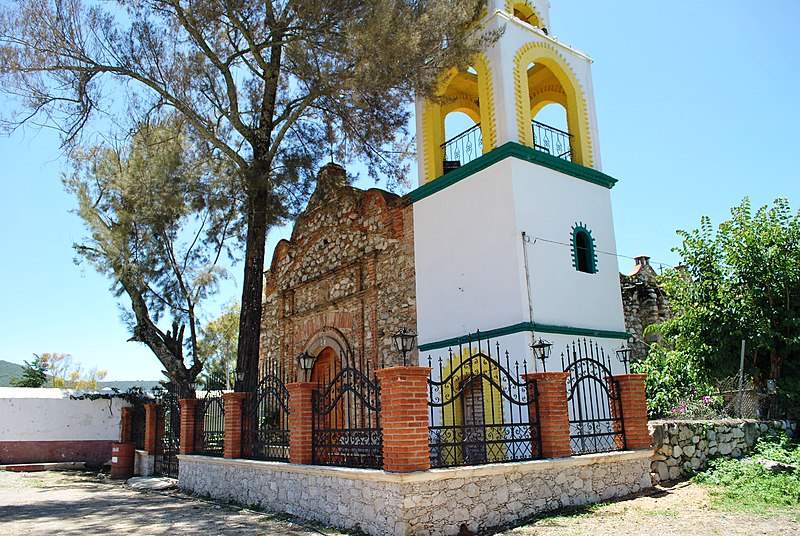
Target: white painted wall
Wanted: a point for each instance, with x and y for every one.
(50, 415)
(468, 257)
(547, 204)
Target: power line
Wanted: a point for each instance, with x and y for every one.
(535, 239)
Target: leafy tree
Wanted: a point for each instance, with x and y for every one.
(740, 281)
(218, 348)
(34, 374)
(158, 223)
(265, 85)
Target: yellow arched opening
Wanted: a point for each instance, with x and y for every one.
(541, 77)
(524, 12)
(469, 92)
(472, 376)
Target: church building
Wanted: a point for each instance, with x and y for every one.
(509, 232)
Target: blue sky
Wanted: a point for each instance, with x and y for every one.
(697, 106)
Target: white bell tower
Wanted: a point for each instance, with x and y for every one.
(512, 217)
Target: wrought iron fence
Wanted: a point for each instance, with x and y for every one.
(211, 424)
(265, 423)
(168, 432)
(595, 414)
(552, 141)
(346, 424)
(462, 148)
(483, 408)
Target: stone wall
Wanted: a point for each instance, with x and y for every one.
(684, 447)
(644, 303)
(423, 503)
(347, 274)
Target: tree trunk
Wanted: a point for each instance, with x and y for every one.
(252, 287)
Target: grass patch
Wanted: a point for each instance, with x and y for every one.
(746, 485)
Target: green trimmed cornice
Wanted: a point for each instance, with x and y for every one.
(526, 326)
(515, 150)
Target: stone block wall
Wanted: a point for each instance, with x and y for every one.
(431, 502)
(684, 447)
(346, 274)
(644, 303)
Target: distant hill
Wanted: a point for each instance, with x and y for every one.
(8, 371)
(123, 386)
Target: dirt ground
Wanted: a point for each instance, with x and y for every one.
(682, 509)
(81, 504)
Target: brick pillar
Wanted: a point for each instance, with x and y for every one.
(553, 413)
(404, 418)
(630, 390)
(188, 425)
(150, 427)
(126, 426)
(233, 403)
(300, 422)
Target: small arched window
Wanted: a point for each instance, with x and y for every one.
(584, 258)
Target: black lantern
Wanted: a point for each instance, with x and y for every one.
(404, 342)
(306, 362)
(541, 351)
(240, 376)
(624, 355)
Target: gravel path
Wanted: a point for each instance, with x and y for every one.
(49, 503)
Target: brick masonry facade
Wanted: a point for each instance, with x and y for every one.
(347, 274)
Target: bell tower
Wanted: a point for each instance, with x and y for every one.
(513, 223)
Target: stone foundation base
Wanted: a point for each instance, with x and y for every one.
(424, 503)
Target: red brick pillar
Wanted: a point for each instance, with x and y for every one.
(300, 422)
(553, 412)
(188, 425)
(404, 418)
(150, 427)
(126, 426)
(233, 403)
(633, 403)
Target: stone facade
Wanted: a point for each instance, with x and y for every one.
(347, 274)
(683, 447)
(422, 503)
(644, 303)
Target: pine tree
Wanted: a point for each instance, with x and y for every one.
(34, 374)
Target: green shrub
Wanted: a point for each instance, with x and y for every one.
(676, 384)
(748, 485)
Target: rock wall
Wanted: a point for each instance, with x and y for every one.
(424, 503)
(644, 304)
(347, 274)
(684, 447)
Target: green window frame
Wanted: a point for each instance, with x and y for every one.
(584, 252)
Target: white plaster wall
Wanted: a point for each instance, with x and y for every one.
(50, 415)
(547, 204)
(468, 257)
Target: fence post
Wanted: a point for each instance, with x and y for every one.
(404, 418)
(232, 433)
(188, 425)
(553, 412)
(126, 426)
(150, 427)
(300, 422)
(630, 394)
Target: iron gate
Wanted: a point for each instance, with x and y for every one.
(483, 409)
(346, 427)
(211, 420)
(168, 432)
(266, 419)
(595, 415)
